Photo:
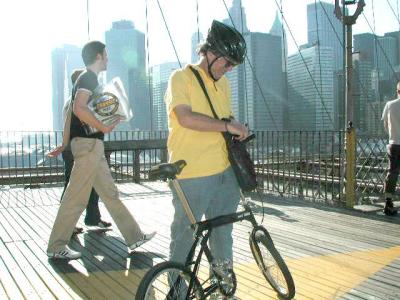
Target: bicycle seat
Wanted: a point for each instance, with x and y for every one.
(166, 171)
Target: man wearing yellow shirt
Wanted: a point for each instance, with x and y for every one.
(195, 136)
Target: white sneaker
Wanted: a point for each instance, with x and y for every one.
(65, 253)
(145, 238)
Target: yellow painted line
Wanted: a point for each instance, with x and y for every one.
(318, 277)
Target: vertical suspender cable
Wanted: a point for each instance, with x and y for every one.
(286, 91)
(319, 51)
(149, 73)
(254, 73)
(170, 37)
(246, 100)
(88, 19)
(198, 23)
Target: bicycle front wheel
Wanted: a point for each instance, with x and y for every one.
(271, 263)
(169, 280)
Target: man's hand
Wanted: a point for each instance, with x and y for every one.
(57, 151)
(109, 128)
(236, 128)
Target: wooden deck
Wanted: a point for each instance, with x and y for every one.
(332, 253)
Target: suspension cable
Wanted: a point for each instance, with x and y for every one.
(380, 46)
(88, 19)
(246, 100)
(358, 79)
(149, 73)
(391, 8)
(198, 23)
(305, 64)
(254, 74)
(375, 45)
(319, 49)
(170, 37)
(286, 88)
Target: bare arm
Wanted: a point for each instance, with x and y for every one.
(66, 134)
(196, 121)
(84, 114)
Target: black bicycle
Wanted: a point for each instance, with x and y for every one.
(171, 280)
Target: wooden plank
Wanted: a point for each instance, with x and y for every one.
(57, 288)
(8, 284)
(18, 274)
(36, 282)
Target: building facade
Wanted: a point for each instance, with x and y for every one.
(311, 89)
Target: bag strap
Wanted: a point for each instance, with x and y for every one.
(201, 82)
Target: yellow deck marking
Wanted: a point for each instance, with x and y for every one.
(318, 277)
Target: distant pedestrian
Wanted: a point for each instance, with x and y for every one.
(391, 121)
(90, 166)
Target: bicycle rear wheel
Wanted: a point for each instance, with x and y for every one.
(271, 263)
(169, 280)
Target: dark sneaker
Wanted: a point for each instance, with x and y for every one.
(389, 209)
(77, 230)
(101, 224)
(65, 253)
(145, 238)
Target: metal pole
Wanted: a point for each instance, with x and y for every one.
(349, 76)
(350, 141)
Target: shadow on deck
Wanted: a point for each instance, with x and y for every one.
(332, 253)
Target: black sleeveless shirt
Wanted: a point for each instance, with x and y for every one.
(86, 81)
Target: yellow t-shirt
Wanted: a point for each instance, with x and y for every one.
(204, 152)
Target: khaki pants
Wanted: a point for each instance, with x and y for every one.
(90, 170)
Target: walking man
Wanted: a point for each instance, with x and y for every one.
(90, 167)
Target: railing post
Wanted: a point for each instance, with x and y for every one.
(350, 170)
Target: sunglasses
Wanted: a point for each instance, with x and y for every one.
(229, 63)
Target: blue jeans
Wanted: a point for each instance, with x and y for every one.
(211, 196)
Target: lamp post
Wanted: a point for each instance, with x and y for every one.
(350, 139)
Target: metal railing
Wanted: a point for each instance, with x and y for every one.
(307, 164)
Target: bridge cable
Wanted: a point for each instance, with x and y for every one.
(305, 64)
(394, 13)
(198, 23)
(149, 71)
(285, 52)
(246, 99)
(363, 88)
(319, 50)
(380, 46)
(88, 19)
(254, 74)
(169, 33)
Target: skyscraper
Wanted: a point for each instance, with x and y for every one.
(160, 75)
(278, 30)
(238, 16)
(263, 79)
(311, 88)
(64, 60)
(127, 60)
(324, 29)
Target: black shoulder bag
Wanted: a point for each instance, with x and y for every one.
(238, 155)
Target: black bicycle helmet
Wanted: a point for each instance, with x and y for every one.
(226, 41)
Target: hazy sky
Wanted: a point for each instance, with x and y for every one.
(29, 30)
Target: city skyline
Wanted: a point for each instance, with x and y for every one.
(36, 77)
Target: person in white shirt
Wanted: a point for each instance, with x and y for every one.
(391, 122)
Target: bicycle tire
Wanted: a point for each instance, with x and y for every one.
(156, 283)
(277, 274)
